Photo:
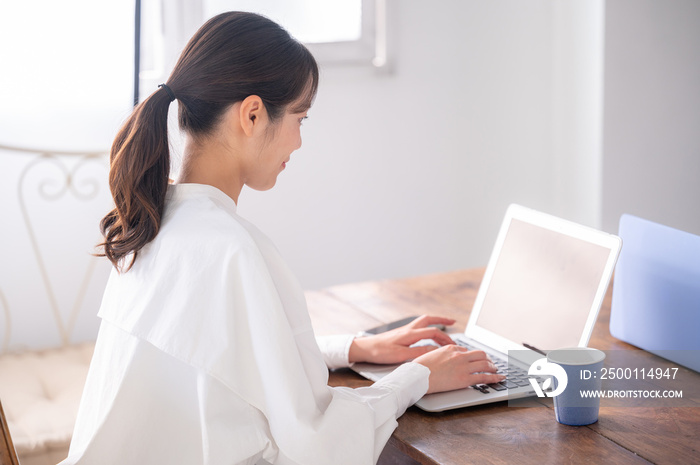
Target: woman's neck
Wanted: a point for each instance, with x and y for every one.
(209, 161)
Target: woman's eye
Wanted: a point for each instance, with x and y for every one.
(301, 120)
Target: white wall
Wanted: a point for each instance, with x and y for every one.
(652, 112)
(410, 172)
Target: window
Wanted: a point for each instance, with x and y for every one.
(336, 32)
(339, 31)
(310, 21)
(67, 78)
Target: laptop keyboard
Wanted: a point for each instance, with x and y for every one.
(515, 377)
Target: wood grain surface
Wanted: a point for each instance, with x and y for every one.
(7, 450)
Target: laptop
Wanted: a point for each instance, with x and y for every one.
(542, 290)
(656, 293)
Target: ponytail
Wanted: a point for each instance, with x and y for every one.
(138, 179)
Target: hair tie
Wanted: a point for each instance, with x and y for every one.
(169, 91)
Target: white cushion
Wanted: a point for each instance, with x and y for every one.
(40, 393)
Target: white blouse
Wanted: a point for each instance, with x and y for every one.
(206, 355)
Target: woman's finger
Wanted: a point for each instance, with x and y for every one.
(417, 351)
(433, 333)
(476, 355)
(482, 366)
(427, 320)
(486, 378)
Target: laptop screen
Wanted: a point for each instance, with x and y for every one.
(543, 287)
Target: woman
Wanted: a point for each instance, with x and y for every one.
(205, 352)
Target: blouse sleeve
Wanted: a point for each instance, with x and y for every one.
(335, 350)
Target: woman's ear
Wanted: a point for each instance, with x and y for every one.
(252, 114)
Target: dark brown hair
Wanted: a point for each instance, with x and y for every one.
(232, 56)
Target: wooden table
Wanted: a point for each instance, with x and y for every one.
(497, 433)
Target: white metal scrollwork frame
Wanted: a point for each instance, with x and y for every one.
(56, 157)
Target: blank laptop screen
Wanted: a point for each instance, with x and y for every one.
(543, 286)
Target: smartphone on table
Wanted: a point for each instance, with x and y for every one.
(396, 324)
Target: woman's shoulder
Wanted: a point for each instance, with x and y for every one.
(203, 218)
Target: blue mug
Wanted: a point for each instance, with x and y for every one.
(578, 404)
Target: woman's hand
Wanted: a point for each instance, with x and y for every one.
(395, 346)
(455, 367)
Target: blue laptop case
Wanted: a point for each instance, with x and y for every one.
(656, 291)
